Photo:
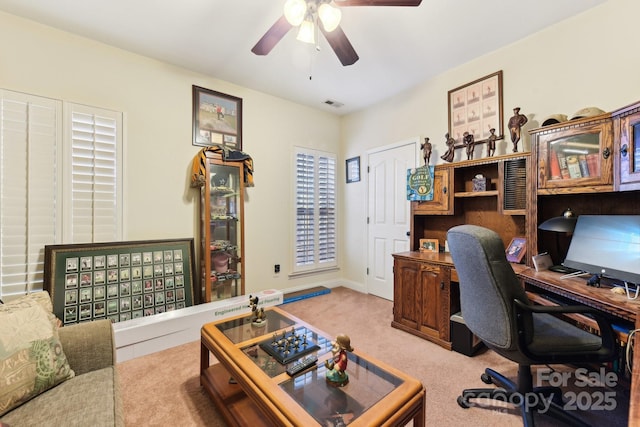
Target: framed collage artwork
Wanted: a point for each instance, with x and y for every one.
(476, 108)
(120, 280)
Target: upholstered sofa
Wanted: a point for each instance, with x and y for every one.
(87, 396)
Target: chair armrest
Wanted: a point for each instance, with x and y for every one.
(88, 346)
(606, 330)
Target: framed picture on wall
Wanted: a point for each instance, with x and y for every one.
(217, 119)
(353, 169)
(476, 108)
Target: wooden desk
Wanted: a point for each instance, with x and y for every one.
(602, 299)
(426, 294)
(265, 395)
(576, 289)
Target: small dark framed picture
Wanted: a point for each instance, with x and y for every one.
(516, 249)
(353, 169)
(217, 119)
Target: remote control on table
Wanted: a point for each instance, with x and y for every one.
(302, 364)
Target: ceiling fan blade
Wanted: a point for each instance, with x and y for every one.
(341, 45)
(378, 2)
(272, 37)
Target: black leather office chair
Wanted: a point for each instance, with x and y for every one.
(496, 309)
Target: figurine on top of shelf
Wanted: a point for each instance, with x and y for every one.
(259, 317)
(451, 149)
(469, 142)
(337, 365)
(491, 142)
(426, 151)
(515, 124)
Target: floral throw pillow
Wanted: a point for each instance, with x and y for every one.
(31, 356)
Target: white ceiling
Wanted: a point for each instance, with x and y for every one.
(399, 47)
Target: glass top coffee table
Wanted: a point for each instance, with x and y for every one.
(249, 384)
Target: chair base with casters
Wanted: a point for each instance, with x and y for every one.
(496, 309)
(507, 391)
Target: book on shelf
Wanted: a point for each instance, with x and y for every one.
(564, 169)
(574, 167)
(554, 166)
(592, 164)
(584, 168)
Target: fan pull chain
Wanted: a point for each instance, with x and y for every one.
(317, 45)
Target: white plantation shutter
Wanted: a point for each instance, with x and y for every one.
(30, 132)
(53, 191)
(93, 214)
(315, 201)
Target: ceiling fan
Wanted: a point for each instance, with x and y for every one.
(325, 15)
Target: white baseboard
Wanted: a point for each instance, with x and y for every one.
(358, 287)
(146, 335)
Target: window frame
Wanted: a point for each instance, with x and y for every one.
(319, 262)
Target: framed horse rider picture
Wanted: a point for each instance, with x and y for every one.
(217, 119)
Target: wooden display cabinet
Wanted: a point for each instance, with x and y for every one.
(423, 298)
(575, 156)
(222, 229)
(626, 130)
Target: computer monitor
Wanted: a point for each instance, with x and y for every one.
(607, 245)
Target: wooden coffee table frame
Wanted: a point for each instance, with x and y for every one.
(258, 400)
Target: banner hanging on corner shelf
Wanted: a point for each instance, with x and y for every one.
(420, 184)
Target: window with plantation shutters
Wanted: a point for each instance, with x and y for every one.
(315, 204)
(59, 183)
(30, 133)
(93, 214)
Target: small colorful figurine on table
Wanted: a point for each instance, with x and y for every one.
(259, 317)
(337, 365)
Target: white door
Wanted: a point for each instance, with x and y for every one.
(388, 213)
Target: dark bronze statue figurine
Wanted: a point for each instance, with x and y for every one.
(451, 149)
(515, 124)
(470, 143)
(491, 142)
(426, 151)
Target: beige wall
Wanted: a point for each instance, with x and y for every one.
(589, 60)
(586, 61)
(156, 99)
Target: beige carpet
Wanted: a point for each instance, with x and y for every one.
(163, 388)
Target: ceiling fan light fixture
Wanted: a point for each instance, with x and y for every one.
(306, 32)
(329, 16)
(295, 11)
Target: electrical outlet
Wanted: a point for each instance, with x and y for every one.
(276, 268)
